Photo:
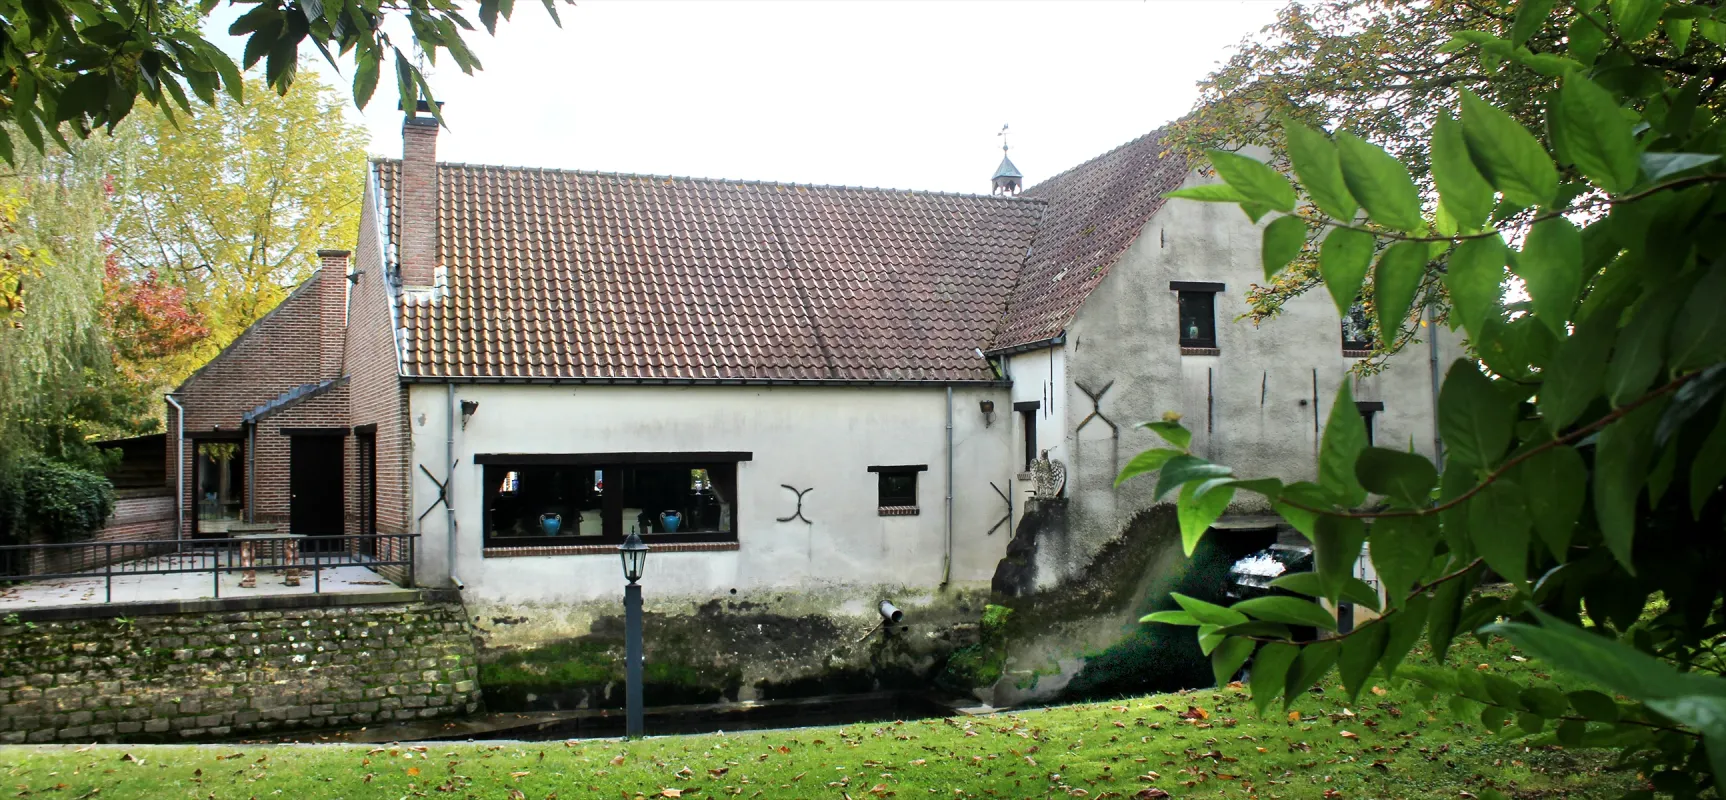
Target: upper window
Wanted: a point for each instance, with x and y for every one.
(529, 503)
(897, 488)
(1357, 330)
(1198, 314)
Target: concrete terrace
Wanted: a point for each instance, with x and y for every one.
(130, 587)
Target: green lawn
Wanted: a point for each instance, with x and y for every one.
(1199, 744)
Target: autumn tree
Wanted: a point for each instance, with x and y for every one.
(229, 207)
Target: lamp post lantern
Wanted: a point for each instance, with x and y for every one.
(634, 553)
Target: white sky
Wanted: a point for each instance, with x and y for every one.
(901, 94)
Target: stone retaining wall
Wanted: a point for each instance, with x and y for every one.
(230, 674)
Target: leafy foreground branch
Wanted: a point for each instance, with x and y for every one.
(1584, 439)
(1204, 744)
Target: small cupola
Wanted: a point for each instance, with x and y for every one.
(1006, 179)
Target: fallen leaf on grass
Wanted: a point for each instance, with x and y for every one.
(1349, 735)
(617, 762)
(670, 792)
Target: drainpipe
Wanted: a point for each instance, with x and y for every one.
(251, 472)
(947, 564)
(1432, 358)
(179, 470)
(449, 485)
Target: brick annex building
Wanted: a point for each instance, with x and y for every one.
(783, 386)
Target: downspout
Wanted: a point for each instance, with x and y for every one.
(1432, 358)
(179, 470)
(251, 471)
(448, 485)
(947, 564)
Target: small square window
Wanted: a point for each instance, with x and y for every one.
(898, 489)
(1198, 319)
(1357, 337)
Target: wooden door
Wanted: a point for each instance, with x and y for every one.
(315, 505)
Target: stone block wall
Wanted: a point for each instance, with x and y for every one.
(233, 674)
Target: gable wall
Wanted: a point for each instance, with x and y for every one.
(377, 395)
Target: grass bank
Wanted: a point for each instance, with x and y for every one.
(1203, 744)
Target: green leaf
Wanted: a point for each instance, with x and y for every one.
(1148, 461)
(1597, 706)
(1283, 240)
(1270, 672)
(1208, 613)
(1344, 438)
(1474, 276)
(1342, 262)
(1634, 20)
(1531, 15)
(1661, 165)
(1315, 161)
(1288, 610)
(1699, 333)
(1641, 345)
(1380, 182)
(1554, 483)
(1507, 155)
(1184, 468)
(1197, 515)
(1612, 665)
(1499, 524)
(1208, 193)
(1597, 134)
(1275, 630)
(1315, 660)
(1270, 488)
(1401, 550)
(1577, 372)
(1407, 478)
(1585, 38)
(1406, 626)
(1465, 193)
(1709, 468)
(1360, 653)
(1172, 432)
(1395, 283)
(1227, 659)
(1446, 609)
(1171, 618)
(1548, 703)
(1257, 181)
(1474, 418)
(365, 76)
(1354, 590)
(1209, 638)
(1550, 265)
(1621, 462)
(1336, 543)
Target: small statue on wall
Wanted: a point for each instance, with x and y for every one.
(1049, 477)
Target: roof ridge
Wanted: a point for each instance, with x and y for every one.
(730, 181)
(1096, 158)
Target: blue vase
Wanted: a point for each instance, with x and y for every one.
(550, 523)
(669, 520)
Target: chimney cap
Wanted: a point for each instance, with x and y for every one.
(334, 253)
(420, 107)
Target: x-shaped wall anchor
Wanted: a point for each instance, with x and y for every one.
(799, 513)
(1097, 407)
(1004, 499)
(442, 489)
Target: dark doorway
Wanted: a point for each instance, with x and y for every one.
(1028, 417)
(366, 469)
(315, 488)
(218, 486)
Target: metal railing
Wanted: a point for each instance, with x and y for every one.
(390, 555)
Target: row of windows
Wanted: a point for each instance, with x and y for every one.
(599, 500)
(1198, 319)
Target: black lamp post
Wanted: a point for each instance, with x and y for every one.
(634, 559)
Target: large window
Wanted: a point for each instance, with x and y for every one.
(664, 497)
(219, 473)
(1357, 335)
(1198, 314)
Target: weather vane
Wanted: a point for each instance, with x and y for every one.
(1003, 135)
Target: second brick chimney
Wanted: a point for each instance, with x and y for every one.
(416, 198)
(332, 312)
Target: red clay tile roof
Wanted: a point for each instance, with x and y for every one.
(566, 274)
(588, 275)
(1095, 211)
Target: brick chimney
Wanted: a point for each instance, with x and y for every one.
(332, 312)
(417, 199)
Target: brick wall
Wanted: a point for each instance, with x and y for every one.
(376, 394)
(217, 675)
(139, 515)
(417, 197)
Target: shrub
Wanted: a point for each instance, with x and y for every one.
(52, 498)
